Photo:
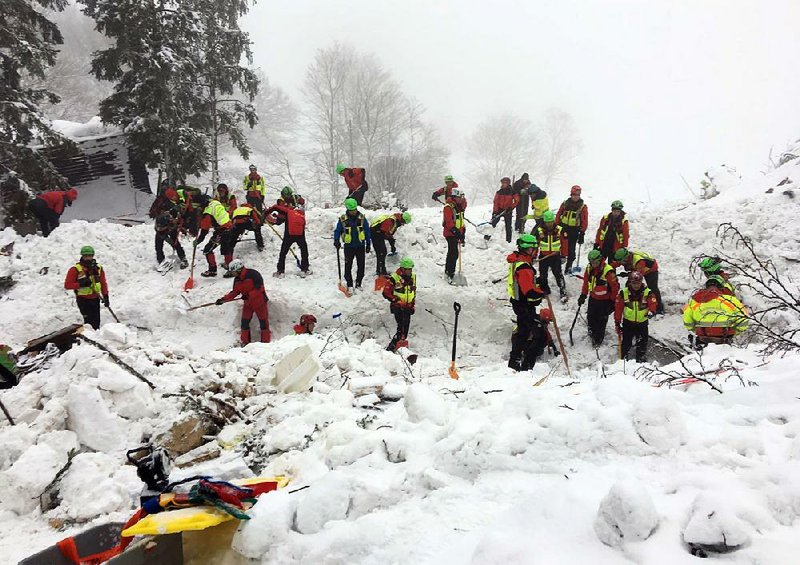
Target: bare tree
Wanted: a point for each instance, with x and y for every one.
(499, 146)
(560, 145)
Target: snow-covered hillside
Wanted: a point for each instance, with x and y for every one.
(404, 464)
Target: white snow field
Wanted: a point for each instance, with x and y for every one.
(404, 464)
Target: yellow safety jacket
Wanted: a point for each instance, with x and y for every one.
(635, 310)
(549, 241)
(458, 217)
(259, 185)
(619, 234)
(347, 229)
(404, 293)
(722, 311)
(380, 219)
(217, 211)
(96, 287)
(540, 207)
(570, 218)
(512, 285)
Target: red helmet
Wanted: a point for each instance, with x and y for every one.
(72, 194)
(546, 315)
(306, 319)
(635, 276)
(576, 189)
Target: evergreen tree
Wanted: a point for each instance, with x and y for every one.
(173, 62)
(27, 48)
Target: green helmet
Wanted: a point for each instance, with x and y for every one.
(87, 250)
(406, 218)
(448, 178)
(616, 205)
(549, 216)
(287, 191)
(340, 169)
(526, 241)
(594, 255)
(710, 265)
(406, 263)
(351, 204)
(621, 254)
(715, 280)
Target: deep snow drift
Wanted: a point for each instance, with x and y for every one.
(404, 464)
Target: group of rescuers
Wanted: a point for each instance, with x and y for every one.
(714, 314)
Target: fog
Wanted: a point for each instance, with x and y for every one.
(656, 88)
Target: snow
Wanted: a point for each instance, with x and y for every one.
(404, 464)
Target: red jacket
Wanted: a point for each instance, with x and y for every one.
(294, 217)
(644, 266)
(443, 191)
(525, 278)
(71, 282)
(599, 286)
(250, 285)
(207, 222)
(57, 199)
(581, 213)
(620, 228)
(453, 214)
(354, 179)
(505, 200)
(619, 306)
(388, 227)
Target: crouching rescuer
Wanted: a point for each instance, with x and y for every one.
(401, 292)
(525, 295)
(249, 284)
(88, 280)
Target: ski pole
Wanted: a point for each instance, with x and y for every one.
(572, 327)
(558, 336)
(452, 371)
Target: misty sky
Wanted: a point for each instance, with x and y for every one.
(658, 88)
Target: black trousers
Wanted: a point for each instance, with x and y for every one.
(403, 318)
(256, 202)
(48, 220)
(358, 253)
(572, 233)
(652, 283)
(597, 315)
(552, 263)
(526, 320)
(357, 195)
(506, 216)
(607, 245)
(226, 240)
(288, 240)
(379, 245)
(631, 330)
(522, 211)
(171, 237)
(452, 255)
(239, 229)
(90, 310)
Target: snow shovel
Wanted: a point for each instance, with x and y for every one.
(452, 370)
(207, 304)
(112, 312)
(458, 278)
(577, 268)
(189, 285)
(558, 337)
(342, 288)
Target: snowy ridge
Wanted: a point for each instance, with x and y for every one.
(480, 470)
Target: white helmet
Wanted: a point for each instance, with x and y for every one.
(236, 265)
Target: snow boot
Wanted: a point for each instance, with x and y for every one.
(401, 343)
(229, 275)
(350, 291)
(514, 364)
(209, 273)
(278, 274)
(184, 263)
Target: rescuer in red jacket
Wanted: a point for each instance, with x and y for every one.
(505, 202)
(294, 220)
(249, 284)
(48, 207)
(356, 181)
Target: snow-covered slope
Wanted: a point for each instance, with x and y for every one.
(485, 469)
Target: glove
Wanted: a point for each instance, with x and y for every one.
(623, 274)
(435, 196)
(595, 246)
(106, 301)
(555, 350)
(219, 302)
(337, 244)
(650, 315)
(581, 299)
(368, 249)
(690, 337)
(84, 282)
(580, 238)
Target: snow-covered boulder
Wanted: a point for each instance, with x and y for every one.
(90, 418)
(269, 524)
(714, 526)
(134, 403)
(111, 377)
(626, 513)
(327, 499)
(422, 403)
(21, 485)
(659, 422)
